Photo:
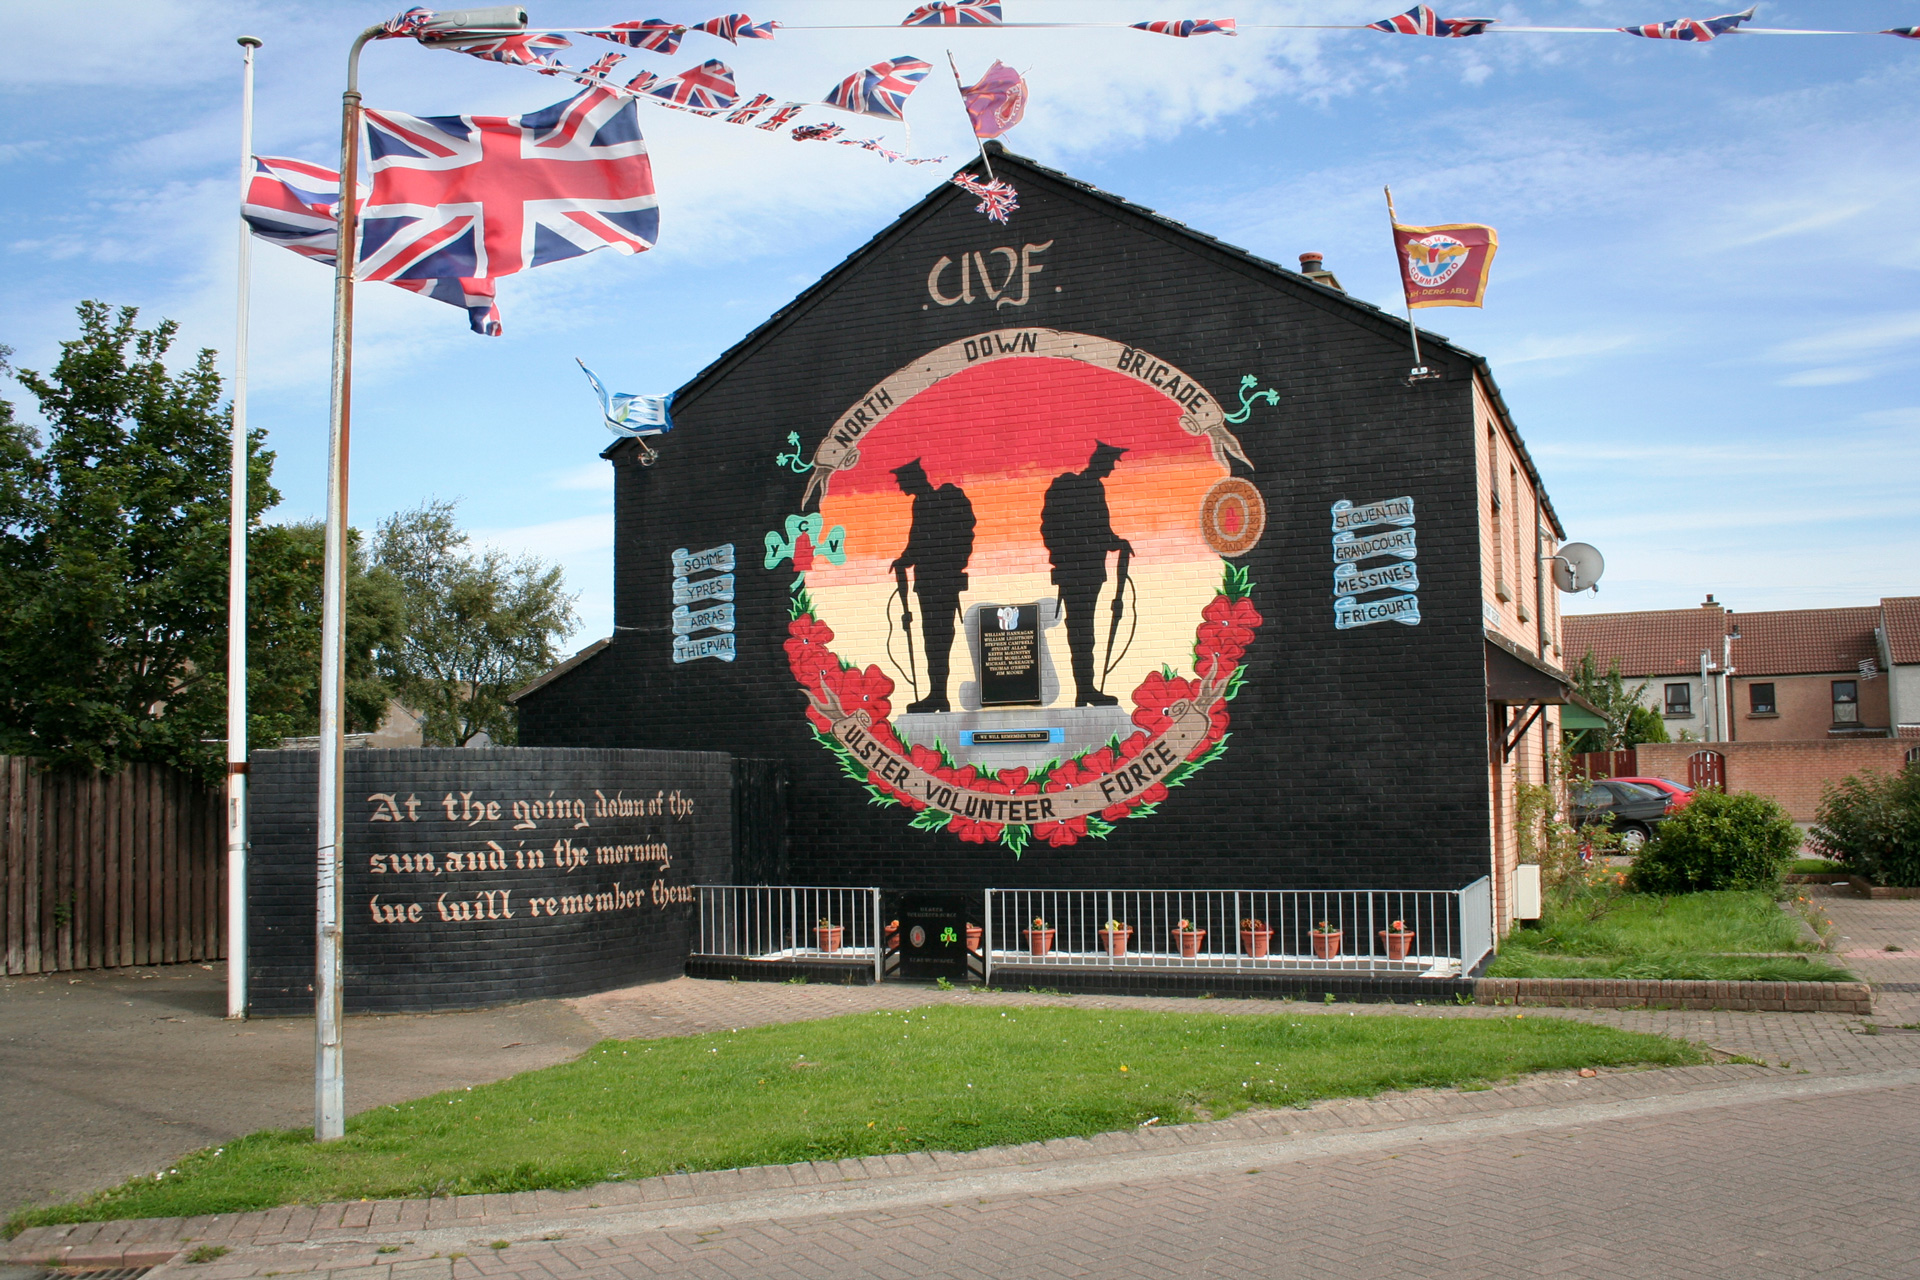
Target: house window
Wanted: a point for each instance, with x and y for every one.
(1846, 702)
(1679, 699)
(1760, 698)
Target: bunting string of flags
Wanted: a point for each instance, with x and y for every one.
(445, 218)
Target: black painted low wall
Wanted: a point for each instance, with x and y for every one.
(479, 877)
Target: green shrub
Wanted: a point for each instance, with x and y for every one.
(1719, 841)
(1870, 825)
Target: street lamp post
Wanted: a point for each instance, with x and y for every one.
(329, 1086)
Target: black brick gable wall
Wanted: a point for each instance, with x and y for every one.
(1357, 758)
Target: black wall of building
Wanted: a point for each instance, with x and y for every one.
(426, 930)
(1357, 757)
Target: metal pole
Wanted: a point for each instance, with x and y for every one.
(237, 583)
(329, 1101)
(1419, 372)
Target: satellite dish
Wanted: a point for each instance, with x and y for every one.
(1577, 567)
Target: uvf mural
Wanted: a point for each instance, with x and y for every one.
(1035, 625)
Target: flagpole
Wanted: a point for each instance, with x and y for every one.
(977, 139)
(1419, 372)
(237, 581)
(329, 1103)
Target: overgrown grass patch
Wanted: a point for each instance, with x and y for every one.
(1818, 867)
(1722, 936)
(947, 1077)
(1638, 924)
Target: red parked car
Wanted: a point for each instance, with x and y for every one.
(1679, 794)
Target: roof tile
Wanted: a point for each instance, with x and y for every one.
(1901, 617)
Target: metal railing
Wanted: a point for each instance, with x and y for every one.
(791, 922)
(1416, 932)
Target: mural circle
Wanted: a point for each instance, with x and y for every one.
(1011, 615)
(1233, 516)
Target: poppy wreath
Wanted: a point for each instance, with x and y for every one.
(1227, 627)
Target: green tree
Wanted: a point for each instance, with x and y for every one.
(112, 642)
(1616, 704)
(285, 578)
(478, 625)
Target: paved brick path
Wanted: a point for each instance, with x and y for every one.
(1798, 1164)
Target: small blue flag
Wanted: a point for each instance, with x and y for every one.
(631, 415)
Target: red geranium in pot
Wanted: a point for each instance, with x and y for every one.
(1190, 939)
(1398, 939)
(828, 934)
(1254, 937)
(1326, 940)
(1040, 937)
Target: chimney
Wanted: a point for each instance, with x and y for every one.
(1313, 267)
(1710, 603)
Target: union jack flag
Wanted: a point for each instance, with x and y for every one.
(880, 90)
(1905, 33)
(525, 50)
(963, 13)
(1700, 29)
(479, 197)
(736, 27)
(817, 132)
(601, 68)
(1421, 20)
(410, 23)
(475, 297)
(709, 85)
(1185, 27)
(752, 107)
(296, 205)
(656, 34)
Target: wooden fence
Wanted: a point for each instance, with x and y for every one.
(102, 870)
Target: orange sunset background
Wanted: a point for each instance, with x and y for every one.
(1003, 431)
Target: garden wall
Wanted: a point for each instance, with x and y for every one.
(478, 877)
(1793, 773)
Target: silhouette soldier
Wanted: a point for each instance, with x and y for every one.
(1078, 531)
(938, 547)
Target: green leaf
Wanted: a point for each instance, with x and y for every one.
(1098, 827)
(930, 820)
(1015, 838)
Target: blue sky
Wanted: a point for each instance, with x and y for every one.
(1703, 314)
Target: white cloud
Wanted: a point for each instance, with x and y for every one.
(1831, 377)
(1869, 337)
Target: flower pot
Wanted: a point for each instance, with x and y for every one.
(1114, 941)
(1254, 942)
(976, 934)
(828, 936)
(1398, 944)
(1190, 940)
(892, 935)
(1039, 941)
(1326, 945)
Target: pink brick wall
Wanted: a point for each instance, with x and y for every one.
(1791, 772)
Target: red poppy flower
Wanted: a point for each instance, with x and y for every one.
(862, 690)
(924, 757)
(974, 832)
(1061, 834)
(807, 649)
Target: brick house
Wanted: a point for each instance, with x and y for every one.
(1792, 675)
(993, 527)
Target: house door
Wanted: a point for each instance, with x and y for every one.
(1707, 769)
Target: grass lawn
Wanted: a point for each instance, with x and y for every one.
(1689, 935)
(947, 1077)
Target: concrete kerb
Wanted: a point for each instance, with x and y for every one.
(1854, 998)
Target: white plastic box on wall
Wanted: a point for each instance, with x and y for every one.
(1526, 892)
